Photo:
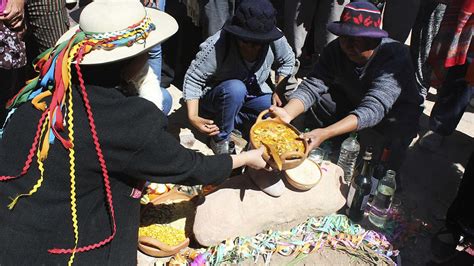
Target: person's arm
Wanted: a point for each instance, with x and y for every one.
(284, 57)
(385, 88)
(284, 61)
(160, 158)
(343, 126)
(251, 158)
(206, 126)
(201, 68)
(276, 98)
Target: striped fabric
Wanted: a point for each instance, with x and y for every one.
(47, 21)
(453, 44)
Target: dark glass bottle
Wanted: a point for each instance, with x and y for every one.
(379, 170)
(359, 191)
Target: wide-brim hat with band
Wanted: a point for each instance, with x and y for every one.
(255, 21)
(101, 17)
(109, 30)
(359, 19)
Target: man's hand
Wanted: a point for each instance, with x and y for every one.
(14, 14)
(206, 126)
(276, 99)
(315, 137)
(281, 113)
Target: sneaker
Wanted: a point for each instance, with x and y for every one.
(431, 141)
(220, 147)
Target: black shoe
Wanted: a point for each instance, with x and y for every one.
(443, 246)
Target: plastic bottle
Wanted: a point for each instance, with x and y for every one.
(380, 205)
(347, 158)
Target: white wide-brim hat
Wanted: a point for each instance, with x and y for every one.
(109, 16)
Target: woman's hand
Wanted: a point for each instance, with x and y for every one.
(205, 126)
(315, 137)
(281, 113)
(251, 158)
(14, 14)
(255, 159)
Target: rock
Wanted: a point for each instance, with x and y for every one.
(240, 208)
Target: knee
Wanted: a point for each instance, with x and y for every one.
(234, 90)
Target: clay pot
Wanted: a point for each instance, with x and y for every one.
(289, 159)
(156, 248)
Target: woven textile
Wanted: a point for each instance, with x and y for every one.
(453, 44)
(47, 21)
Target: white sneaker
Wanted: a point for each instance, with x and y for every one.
(431, 141)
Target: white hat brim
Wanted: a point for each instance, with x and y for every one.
(165, 25)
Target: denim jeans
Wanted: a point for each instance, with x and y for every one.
(231, 107)
(154, 60)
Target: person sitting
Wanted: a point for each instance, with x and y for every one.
(362, 79)
(79, 146)
(225, 86)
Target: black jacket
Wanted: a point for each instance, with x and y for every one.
(136, 146)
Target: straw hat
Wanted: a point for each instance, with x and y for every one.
(105, 17)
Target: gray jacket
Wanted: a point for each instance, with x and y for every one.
(219, 60)
(386, 84)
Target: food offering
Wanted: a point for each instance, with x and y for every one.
(284, 148)
(161, 240)
(166, 215)
(304, 176)
(154, 190)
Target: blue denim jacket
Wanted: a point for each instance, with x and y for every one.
(219, 60)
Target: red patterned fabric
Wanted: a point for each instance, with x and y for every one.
(453, 44)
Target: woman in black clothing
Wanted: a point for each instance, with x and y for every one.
(89, 147)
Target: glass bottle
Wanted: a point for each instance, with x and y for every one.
(380, 205)
(359, 190)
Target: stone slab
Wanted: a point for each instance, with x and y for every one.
(239, 208)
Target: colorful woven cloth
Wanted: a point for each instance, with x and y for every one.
(453, 44)
(333, 231)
